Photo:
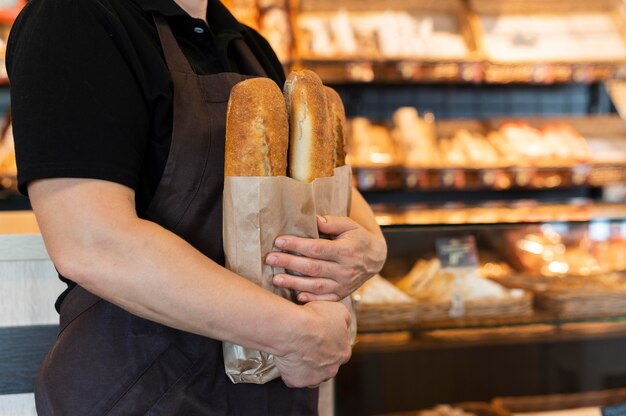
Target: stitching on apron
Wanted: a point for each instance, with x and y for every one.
(143, 373)
(169, 389)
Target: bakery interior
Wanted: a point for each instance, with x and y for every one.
(488, 137)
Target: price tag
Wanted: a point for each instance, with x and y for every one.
(457, 252)
(459, 257)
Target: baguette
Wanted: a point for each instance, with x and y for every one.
(257, 130)
(338, 124)
(312, 146)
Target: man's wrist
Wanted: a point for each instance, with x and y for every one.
(296, 323)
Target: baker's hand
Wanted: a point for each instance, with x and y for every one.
(317, 352)
(331, 269)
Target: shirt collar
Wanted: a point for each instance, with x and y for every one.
(219, 17)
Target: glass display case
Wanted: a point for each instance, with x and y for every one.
(483, 310)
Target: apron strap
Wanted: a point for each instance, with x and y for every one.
(249, 64)
(174, 57)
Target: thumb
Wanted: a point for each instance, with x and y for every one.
(334, 226)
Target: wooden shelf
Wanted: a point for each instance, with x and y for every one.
(470, 72)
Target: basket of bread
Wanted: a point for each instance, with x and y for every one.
(426, 294)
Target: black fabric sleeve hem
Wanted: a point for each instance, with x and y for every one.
(86, 171)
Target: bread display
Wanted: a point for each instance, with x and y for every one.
(412, 141)
(270, 18)
(379, 290)
(371, 145)
(257, 130)
(311, 143)
(547, 253)
(338, 124)
(379, 34)
(427, 281)
(417, 138)
(274, 25)
(552, 37)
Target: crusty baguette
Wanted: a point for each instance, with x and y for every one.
(257, 130)
(337, 115)
(311, 146)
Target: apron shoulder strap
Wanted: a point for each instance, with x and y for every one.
(248, 62)
(174, 57)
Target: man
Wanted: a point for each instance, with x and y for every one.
(119, 111)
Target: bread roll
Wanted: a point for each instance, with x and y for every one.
(257, 130)
(338, 124)
(312, 146)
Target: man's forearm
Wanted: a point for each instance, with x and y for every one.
(94, 238)
(152, 273)
(361, 213)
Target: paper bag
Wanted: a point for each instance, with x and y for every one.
(256, 211)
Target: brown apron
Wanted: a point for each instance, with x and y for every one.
(107, 361)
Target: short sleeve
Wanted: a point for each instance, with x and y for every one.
(77, 108)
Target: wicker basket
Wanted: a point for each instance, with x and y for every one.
(385, 316)
(491, 334)
(553, 402)
(371, 317)
(576, 305)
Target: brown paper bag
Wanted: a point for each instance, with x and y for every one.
(256, 211)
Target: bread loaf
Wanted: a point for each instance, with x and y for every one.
(338, 124)
(311, 146)
(257, 130)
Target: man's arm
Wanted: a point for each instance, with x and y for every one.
(333, 269)
(95, 238)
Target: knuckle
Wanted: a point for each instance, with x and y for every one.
(346, 273)
(316, 250)
(318, 287)
(347, 251)
(314, 269)
(349, 273)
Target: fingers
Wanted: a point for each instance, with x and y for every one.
(309, 247)
(335, 226)
(306, 297)
(306, 266)
(312, 288)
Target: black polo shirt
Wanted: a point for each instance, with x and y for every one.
(91, 94)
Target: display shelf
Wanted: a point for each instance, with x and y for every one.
(453, 168)
(563, 402)
(522, 177)
(514, 334)
(471, 72)
(494, 213)
(537, 317)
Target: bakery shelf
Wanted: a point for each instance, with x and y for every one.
(494, 213)
(536, 326)
(522, 177)
(555, 402)
(471, 71)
